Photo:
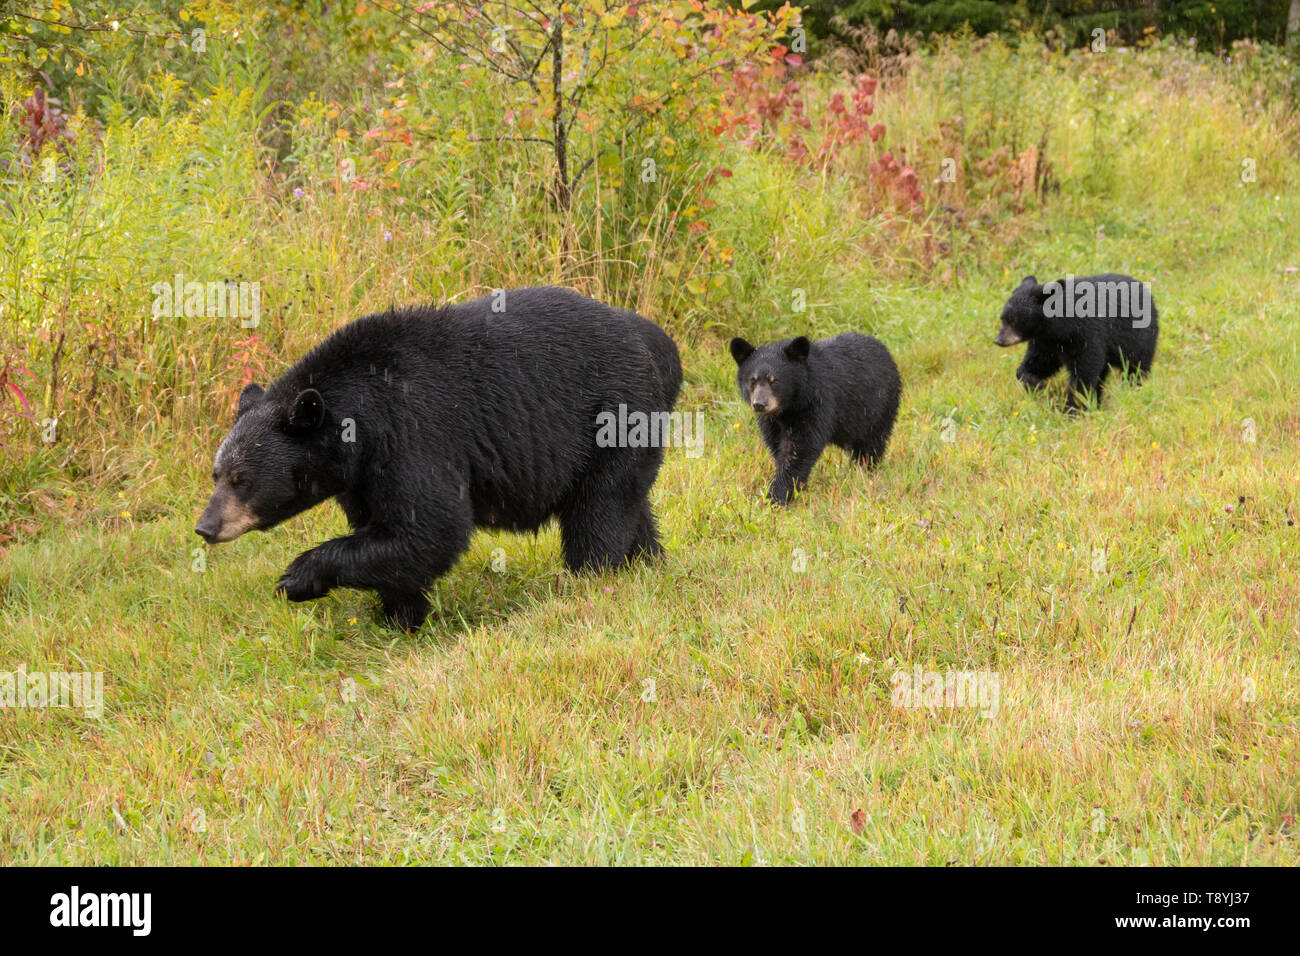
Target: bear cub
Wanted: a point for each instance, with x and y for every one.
(1088, 325)
(426, 423)
(839, 391)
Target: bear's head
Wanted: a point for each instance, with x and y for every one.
(1022, 316)
(772, 378)
(272, 465)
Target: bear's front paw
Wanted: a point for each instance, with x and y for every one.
(780, 494)
(1031, 383)
(303, 580)
(406, 611)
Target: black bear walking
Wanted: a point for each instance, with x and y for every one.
(839, 391)
(428, 422)
(1089, 325)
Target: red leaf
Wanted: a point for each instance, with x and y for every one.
(858, 821)
(22, 399)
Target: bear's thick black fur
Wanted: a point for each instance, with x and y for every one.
(840, 391)
(482, 414)
(1088, 325)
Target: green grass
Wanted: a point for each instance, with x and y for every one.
(1130, 575)
(515, 726)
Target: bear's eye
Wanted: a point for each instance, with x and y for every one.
(237, 480)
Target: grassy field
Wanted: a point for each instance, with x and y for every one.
(1130, 577)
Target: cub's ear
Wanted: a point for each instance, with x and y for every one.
(741, 350)
(798, 349)
(250, 396)
(1029, 281)
(308, 412)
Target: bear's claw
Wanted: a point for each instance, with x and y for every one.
(301, 581)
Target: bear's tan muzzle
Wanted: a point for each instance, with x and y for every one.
(224, 519)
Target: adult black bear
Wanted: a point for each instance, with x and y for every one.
(840, 391)
(428, 422)
(1089, 325)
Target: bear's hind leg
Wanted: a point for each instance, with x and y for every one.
(868, 455)
(597, 535)
(1133, 368)
(645, 542)
(607, 519)
(1086, 381)
(871, 448)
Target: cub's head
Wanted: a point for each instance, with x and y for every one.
(1022, 316)
(269, 468)
(771, 377)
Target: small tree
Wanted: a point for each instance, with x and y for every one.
(609, 69)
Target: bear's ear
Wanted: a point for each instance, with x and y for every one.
(250, 396)
(1029, 281)
(741, 350)
(308, 412)
(798, 349)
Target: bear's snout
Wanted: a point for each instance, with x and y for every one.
(225, 519)
(763, 401)
(209, 526)
(1007, 336)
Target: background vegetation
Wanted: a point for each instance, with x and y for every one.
(1130, 576)
(1214, 23)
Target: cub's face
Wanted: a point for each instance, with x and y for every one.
(260, 476)
(1022, 315)
(770, 377)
